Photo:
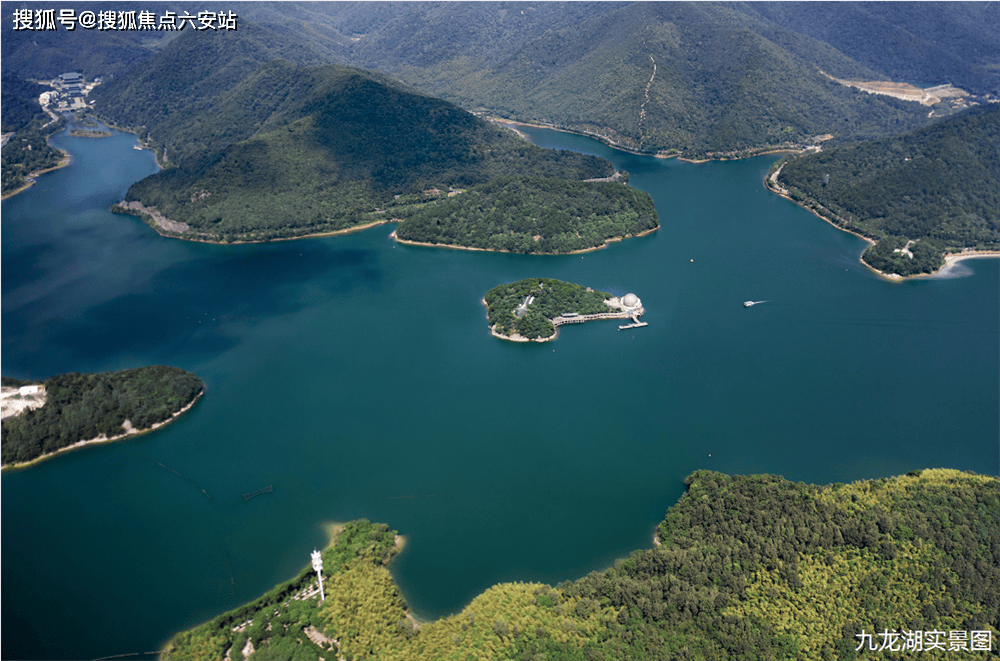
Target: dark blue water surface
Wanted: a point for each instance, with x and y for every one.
(358, 377)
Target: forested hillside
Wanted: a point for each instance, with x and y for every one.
(19, 104)
(534, 215)
(28, 150)
(930, 191)
(757, 567)
(747, 567)
(198, 95)
(726, 81)
(282, 150)
(923, 42)
(81, 407)
(730, 78)
(44, 54)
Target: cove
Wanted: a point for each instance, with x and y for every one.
(358, 377)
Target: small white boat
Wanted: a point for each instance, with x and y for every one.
(749, 304)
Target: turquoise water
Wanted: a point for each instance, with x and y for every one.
(358, 377)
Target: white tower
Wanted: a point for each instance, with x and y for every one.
(317, 559)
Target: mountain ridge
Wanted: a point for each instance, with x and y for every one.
(290, 150)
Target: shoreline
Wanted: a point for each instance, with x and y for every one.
(79, 133)
(32, 176)
(520, 338)
(159, 229)
(135, 132)
(308, 590)
(79, 444)
(516, 337)
(784, 150)
(617, 145)
(950, 259)
(587, 134)
(604, 245)
(953, 258)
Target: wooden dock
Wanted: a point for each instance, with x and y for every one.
(268, 489)
(638, 324)
(560, 320)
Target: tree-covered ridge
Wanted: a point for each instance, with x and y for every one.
(726, 79)
(44, 54)
(928, 41)
(534, 215)
(933, 190)
(731, 78)
(81, 407)
(748, 567)
(551, 299)
(290, 150)
(207, 90)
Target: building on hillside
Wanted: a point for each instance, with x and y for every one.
(72, 84)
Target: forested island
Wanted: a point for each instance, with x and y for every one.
(84, 133)
(80, 408)
(533, 215)
(530, 309)
(917, 196)
(742, 567)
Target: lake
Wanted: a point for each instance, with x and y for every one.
(358, 377)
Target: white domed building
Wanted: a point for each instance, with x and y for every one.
(631, 302)
(631, 306)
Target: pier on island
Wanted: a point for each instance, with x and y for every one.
(627, 307)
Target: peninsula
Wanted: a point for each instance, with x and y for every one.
(290, 620)
(337, 150)
(41, 419)
(530, 310)
(807, 576)
(923, 199)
